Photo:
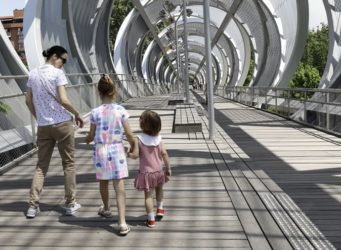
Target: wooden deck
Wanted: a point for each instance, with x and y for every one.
(263, 183)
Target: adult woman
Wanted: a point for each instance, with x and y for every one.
(47, 101)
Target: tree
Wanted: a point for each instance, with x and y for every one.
(120, 10)
(313, 62)
(250, 72)
(306, 76)
(316, 49)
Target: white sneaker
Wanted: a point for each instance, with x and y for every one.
(72, 208)
(32, 212)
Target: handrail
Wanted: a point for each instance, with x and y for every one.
(4, 77)
(16, 122)
(314, 107)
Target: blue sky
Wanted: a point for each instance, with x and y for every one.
(316, 15)
(7, 6)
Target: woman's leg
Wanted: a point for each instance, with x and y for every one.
(64, 133)
(45, 150)
(120, 200)
(104, 190)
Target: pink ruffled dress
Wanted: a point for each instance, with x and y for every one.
(150, 173)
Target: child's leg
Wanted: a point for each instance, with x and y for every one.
(148, 199)
(120, 200)
(159, 196)
(104, 190)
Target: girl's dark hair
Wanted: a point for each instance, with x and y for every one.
(106, 86)
(58, 50)
(150, 122)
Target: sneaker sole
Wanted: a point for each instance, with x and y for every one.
(68, 212)
(105, 216)
(31, 216)
(149, 225)
(124, 233)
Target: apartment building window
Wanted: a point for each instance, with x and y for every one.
(20, 39)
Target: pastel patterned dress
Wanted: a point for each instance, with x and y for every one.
(109, 154)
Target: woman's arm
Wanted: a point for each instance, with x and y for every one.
(64, 101)
(29, 102)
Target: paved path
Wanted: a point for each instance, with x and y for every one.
(232, 192)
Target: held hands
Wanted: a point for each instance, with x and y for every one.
(133, 152)
(132, 155)
(88, 139)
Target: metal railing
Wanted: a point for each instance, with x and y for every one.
(320, 108)
(18, 127)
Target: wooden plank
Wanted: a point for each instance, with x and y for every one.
(253, 139)
(254, 233)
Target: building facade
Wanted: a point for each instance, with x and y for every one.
(13, 26)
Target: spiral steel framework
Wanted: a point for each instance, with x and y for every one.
(270, 32)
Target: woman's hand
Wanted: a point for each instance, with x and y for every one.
(79, 121)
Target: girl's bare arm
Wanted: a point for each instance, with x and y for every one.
(134, 149)
(91, 135)
(165, 158)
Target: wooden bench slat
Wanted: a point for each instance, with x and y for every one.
(185, 119)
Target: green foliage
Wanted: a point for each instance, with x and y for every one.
(4, 108)
(251, 68)
(160, 26)
(316, 49)
(250, 73)
(313, 62)
(120, 10)
(148, 39)
(306, 76)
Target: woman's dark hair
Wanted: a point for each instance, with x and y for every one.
(150, 122)
(58, 50)
(106, 86)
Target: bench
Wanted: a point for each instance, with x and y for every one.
(186, 119)
(175, 99)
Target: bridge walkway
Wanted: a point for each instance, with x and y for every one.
(262, 183)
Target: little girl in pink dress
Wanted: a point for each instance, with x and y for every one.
(151, 152)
